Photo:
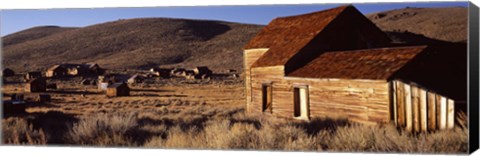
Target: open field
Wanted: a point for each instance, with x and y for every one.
(199, 115)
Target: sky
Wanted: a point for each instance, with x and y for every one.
(16, 20)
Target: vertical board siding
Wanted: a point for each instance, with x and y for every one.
(443, 112)
(423, 110)
(394, 104)
(432, 122)
(450, 114)
(408, 108)
(416, 108)
(401, 103)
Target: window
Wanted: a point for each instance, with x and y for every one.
(300, 102)
(267, 97)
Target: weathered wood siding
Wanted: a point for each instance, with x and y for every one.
(249, 57)
(420, 110)
(364, 101)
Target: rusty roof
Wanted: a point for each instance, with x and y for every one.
(284, 30)
(378, 63)
(286, 36)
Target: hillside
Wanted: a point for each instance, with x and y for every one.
(444, 24)
(150, 42)
(133, 43)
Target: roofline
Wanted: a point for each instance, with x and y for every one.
(330, 79)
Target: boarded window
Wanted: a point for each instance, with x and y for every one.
(267, 97)
(300, 103)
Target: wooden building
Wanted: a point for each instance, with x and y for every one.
(7, 72)
(36, 85)
(337, 64)
(135, 79)
(118, 89)
(32, 75)
(202, 70)
(56, 71)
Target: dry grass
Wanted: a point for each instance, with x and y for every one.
(18, 131)
(188, 117)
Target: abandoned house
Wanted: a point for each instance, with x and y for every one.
(7, 72)
(36, 85)
(202, 70)
(33, 75)
(56, 71)
(135, 79)
(118, 89)
(162, 72)
(83, 69)
(337, 64)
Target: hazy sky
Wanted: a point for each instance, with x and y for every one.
(15, 20)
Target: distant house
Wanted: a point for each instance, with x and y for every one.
(33, 75)
(336, 63)
(202, 70)
(83, 69)
(56, 71)
(7, 72)
(118, 89)
(178, 71)
(135, 79)
(162, 72)
(36, 85)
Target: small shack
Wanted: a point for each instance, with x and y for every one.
(135, 79)
(56, 71)
(162, 72)
(178, 71)
(7, 72)
(33, 75)
(118, 89)
(36, 85)
(202, 70)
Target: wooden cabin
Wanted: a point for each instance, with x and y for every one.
(118, 89)
(36, 85)
(202, 70)
(56, 71)
(83, 69)
(337, 64)
(32, 75)
(135, 79)
(7, 72)
(162, 72)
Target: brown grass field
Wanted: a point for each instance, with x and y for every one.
(199, 115)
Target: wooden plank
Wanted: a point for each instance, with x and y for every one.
(450, 114)
(408, 108)
(443, 113)
(423, 110)
(401, 104)
(432, 122)
(394, 102)
(415, 108)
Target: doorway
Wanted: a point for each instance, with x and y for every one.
(300, 103)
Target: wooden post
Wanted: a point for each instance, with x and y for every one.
(443, 113)
(408, 108)
(394, 102)
(400, 103)
(415, 108)
(450, 114)
(423, 110)
(432, 113)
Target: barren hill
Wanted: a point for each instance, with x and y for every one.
(149, 42)
(445, 24)
(132, 43)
